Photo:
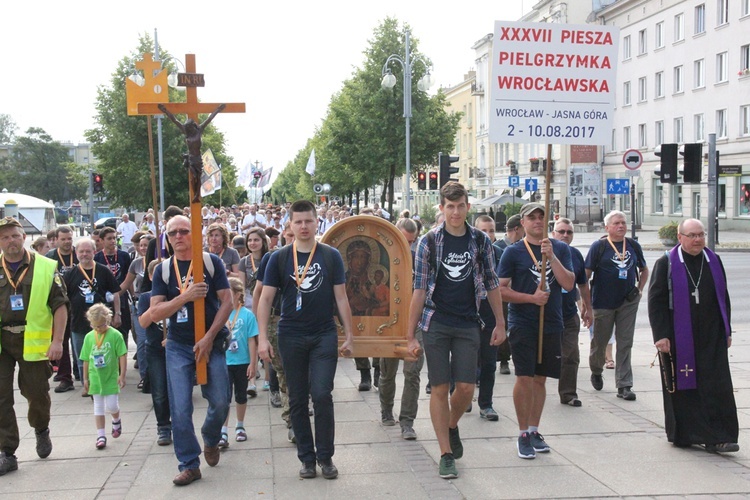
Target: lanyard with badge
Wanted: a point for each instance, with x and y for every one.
(90, 294)
(233, 345)
(62, 260)
(112, 267)
(182, 314)
(16, 300)
(98, 355)
(300, 279)
(623, 271)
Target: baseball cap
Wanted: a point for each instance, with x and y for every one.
(9, 222)
(531, 207)
(513, 222)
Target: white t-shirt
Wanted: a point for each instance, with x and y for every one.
(252, 220)
(127, 230)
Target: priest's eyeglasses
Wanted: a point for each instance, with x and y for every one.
(694, 236)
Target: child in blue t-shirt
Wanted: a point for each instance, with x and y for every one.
(104, 357)
(241, 356)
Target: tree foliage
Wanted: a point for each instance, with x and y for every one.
(361, 142)
(120, 143)
(7, 129)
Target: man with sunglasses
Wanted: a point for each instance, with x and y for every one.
(571, 357)
(173, 298)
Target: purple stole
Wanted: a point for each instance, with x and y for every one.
(683, 325)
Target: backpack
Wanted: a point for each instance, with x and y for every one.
(166, 267)
(598, 257)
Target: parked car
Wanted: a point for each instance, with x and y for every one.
(112, 222)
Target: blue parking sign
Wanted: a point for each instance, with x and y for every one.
(513, 181)
(531, 185)
(618, 186)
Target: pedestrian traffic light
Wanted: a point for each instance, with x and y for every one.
(98, 182)
(422, 181)
(445, 168)
(668, 169)
(433, 180)
(693, 162)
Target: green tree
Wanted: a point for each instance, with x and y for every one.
(41, 166)
(7, 129)
(120, 143)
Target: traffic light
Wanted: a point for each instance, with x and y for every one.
(433, 180)
(693, 162)
(668, 170)
(98, 182)
(422, 181)
(445, 168)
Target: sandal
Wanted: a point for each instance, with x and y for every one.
(117, 429)
(224, 441)
(609, 365)
(101, 442)
(240, 434)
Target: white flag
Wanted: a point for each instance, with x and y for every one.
(310, 168)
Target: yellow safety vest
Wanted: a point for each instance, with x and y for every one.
(37, 336)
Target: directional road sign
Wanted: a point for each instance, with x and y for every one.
(532, 185)
(618, 186)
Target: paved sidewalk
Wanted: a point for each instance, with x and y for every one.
(607, 448)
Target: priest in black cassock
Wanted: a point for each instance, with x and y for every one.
(690, 313)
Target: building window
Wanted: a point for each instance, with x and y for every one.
(744, 196)
(722, 67)
(614, 140)
(678, 136)
(659, 85)
(744, 7)
(626, 137)
(626, 48)
(659, 35)
(700, 19)
(626, 94)
(658, 193)
(745, 121)
(642, 139)
(698, 127)
(642, 42)
(722, 208)
(721, 124)
(676, 200)
(642, 90)
(679, 27)
(678, 86)
(745, 58)
(658, 132)
(699, 74)
(722, 13)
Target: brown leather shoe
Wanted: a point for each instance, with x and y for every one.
(186, 477)
(212, 454)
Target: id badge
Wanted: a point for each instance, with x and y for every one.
(299, 300)
(623, 274)
(233, 345)
(89, 298)
(99, 361)
(182, 315)
(16, 302)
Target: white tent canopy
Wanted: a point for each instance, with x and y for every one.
(39, 215)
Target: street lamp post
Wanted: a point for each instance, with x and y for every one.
(389, 81)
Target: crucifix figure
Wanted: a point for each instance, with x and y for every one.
(193, 135)
(695, 294)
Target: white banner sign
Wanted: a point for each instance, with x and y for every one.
(552, 83)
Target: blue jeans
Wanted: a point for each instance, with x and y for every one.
(157, 376)
(180, 377)
(140, 343)
(487, 365)
(310, 364)
(77, 346)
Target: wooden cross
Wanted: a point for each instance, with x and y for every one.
(192, 108)
(687, 370)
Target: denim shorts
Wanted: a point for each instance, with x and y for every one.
(524, 347)
(451, 353)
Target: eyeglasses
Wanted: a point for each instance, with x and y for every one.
(181, 232)
(564, 231)
(694, 236)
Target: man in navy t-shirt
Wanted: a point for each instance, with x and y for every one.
(118, 262)
(520, 281)
(620, 273)
(174, 298)
(312, 278)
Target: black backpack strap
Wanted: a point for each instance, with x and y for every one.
(431, 248)
(283, 254)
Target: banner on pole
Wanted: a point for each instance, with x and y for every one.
(211, 175)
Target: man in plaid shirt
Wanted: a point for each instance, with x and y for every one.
(448, 288)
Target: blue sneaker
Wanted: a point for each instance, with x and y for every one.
(525, 450)
(537, 441)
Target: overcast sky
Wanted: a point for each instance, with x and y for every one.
(283, 59)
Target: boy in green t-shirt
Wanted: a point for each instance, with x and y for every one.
(104, 357)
